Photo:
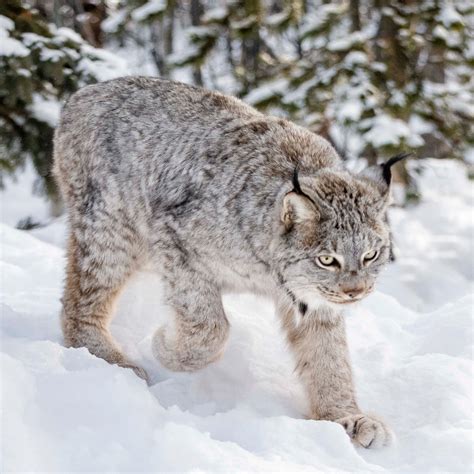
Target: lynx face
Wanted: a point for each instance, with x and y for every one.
(335, 239)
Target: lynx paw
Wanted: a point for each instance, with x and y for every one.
(188, 356)
(138, 371)
(366, 431)
(164, 353)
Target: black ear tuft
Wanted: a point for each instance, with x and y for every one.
(386, 172)
(297, 188)
(296, 183)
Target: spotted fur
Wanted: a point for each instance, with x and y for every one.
(202, 187)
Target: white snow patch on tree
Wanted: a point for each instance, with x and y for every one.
(10, 46)
(45, 110)
(267, 91)
(113, 22)
(6, 24)
(215, 14)
(350, 109)
(347, 42)
(102, 64)
(386, 130)
(449, 16)
(150, 8)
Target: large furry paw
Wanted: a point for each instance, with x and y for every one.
(167, 351)
(366, 431)
(181, 357)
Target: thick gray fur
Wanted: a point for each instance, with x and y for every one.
(201, 187)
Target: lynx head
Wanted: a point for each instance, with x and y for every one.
(334, 235)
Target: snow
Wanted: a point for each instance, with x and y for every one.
(351, 109)
(411, 346)
(469, 156)
(102, 64)
(441, 33)
(10, 46)
(420, 125)
(355, 58)
(185, 56)
(276, 19)
(6, 24)
(17, 201)
(152, 7)
(66, 34)
(267, 91)
(385, 130)
(450, 16)
(45, 110)
(348, 42)
(215, 15)
(315, 22)
(244, 23)
(114, 21)
(52, 55)
(32, 38)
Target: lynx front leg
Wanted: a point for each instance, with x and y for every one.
(319, 344)
(200, 328)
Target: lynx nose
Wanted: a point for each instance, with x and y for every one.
(354, 291)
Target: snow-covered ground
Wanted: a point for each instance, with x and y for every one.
(411, 343)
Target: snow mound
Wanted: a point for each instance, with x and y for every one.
(411, 343)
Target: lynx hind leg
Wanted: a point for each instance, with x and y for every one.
(200, 329)
(94, 278)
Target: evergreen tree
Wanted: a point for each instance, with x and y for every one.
(40, 66)
(149, 24)
(399, 79)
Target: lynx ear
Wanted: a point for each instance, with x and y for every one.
(381, 174)
(297, 206)
(297, 209)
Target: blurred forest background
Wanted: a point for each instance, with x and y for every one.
(375, 77)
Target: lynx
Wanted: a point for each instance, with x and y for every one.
(217, 197)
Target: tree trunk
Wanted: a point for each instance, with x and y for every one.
(196, 12)
(435, 69)
(87, 18)
(251, 45)
(168, 21)
(387, 47)
(156, 50)
(355, 15)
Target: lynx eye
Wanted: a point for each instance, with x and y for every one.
(326, 260)
(371, 255)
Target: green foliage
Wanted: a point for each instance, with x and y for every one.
(40, 66)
